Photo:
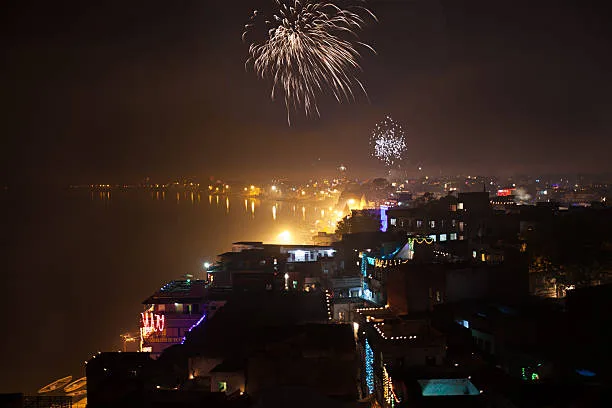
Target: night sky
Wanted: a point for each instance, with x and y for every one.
(113, 91)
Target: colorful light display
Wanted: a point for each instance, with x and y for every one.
(151, 323)
(369, 367)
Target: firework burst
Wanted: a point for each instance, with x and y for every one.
(309, 47)
(388, 142)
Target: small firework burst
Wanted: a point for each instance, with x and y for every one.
(388, 142)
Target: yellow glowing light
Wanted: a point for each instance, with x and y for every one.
(284, 237)
(351, 201)
(273, 188)
(252, 187)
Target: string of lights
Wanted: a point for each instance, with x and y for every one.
(329, 310)
(382, 334)
(196, 324)
(388, 392)
(369, 367)
(385, 263)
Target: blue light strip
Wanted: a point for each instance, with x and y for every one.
(383, 218)
(369, 367)
(196, 324)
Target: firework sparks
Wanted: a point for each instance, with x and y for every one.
(309, 48)
(388, 141)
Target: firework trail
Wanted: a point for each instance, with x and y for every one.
(308, 48)
(388, 141)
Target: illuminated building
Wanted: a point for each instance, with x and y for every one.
(258, 266)
(173, 311)
(385, 341)
(439, 220)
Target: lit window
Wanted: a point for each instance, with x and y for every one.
(453, 207)
(419, 223)
(432, 237)
(483, 257)
(161, 308)
(393, 221)
(461, 225)
(178, 308)
(454, 223)
(432, 224)
(473, 254)
(442, 237)
(222, 386)
(460, 206)
(453, 236)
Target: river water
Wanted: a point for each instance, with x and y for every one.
(77, 265)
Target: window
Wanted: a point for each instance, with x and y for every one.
(432, 237)
(393, 221)
(461, 225)
(178, 308)
(453, 207)
(419, 223)
(222, 386)
(432, 224)
(454, 223)
(161, 308)
(442, 237)
(460, 206)
(473, 254)
(453, 236)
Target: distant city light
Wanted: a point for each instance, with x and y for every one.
(206, 265)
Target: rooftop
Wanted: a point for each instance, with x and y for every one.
(446, 387)
(179, 291)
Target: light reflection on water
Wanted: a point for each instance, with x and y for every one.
(261, 220)
(114, 248)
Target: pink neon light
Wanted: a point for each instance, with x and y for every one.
(152, 322)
